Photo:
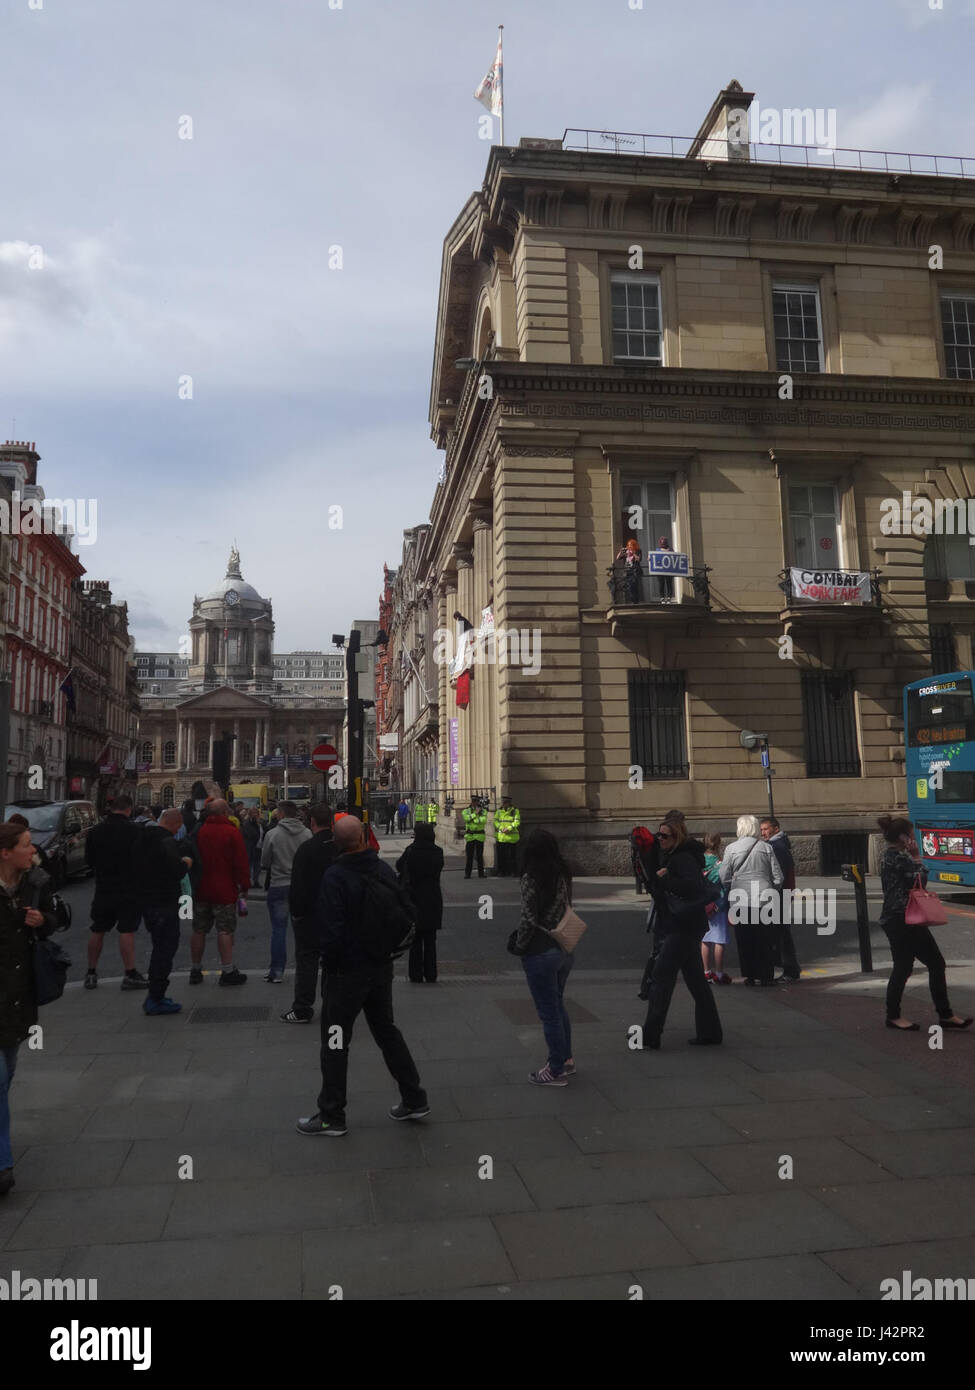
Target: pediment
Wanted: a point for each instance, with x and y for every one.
(226, 700)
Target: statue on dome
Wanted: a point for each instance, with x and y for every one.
(233, 564)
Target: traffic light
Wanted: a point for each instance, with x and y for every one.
(222, 755)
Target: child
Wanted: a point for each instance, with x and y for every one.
(717, 933)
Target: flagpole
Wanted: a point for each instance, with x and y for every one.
(501, 55)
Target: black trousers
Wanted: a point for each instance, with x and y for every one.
(755, 950)
(423, 957)
(344, 997)
(680, 953)
(908, 944)
(162, 921)
(507, 856)
(474, 847)
(307, 965)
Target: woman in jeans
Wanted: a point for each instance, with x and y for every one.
(546, 892)
(899, 868)
(20, 922)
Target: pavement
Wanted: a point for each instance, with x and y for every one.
(810, 1157)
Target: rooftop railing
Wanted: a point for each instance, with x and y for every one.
(733, 152)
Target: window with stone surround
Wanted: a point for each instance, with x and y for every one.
(658, 729)
(169, 754)
(636, 318)
(798, 327)
(958, 328)
(829, 720)
(814, 516)
(949, 557)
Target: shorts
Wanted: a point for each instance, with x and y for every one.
(114, 909)
(717, 932)
(219, 915)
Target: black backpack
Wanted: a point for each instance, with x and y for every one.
(388, 922)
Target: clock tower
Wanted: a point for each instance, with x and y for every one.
(231, 632)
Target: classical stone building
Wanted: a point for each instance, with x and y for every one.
(733, 361)
(413, 697)
(230, 688)
(101, 730)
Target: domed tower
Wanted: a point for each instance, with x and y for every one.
(232, 634)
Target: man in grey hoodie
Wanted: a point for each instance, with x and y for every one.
(278, 854)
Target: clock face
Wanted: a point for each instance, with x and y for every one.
(231, 597)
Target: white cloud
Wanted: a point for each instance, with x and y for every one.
(890, 121)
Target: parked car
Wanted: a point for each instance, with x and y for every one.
(60, 829)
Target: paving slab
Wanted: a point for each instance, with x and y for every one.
(815, 1163)
(512, 1100)
(414, 1257)
(797, 1119)
(632, 1091)
(142, 1119)
(650, 1129)
(597, 1288)
(254, 1206)
(525, 1137)
(592, 1179)
(917, 1154)
(866, 1267)
(791, 1277)
(589, 1240)
(62, 1218)
(361, 1150)
(432, 1194)
(246, 1154)
(930, 1209)
(257, 1267)
(85, 1163)
(909, 1112)
(756, 1224)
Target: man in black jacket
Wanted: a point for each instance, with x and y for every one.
(356, 983)
(115, 902)
(161, 861)
(311, 860)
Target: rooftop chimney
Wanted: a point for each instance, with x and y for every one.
(724, 131)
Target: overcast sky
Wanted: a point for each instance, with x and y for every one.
(208, 257)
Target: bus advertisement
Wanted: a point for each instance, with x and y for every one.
(939, 732)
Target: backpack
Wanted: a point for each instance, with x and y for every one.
(388, 923)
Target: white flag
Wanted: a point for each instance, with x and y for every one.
(489, 93)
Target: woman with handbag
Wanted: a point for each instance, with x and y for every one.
(901, 873)
(751, 873)
(546, 899)
(419, 867)
(680, 895)
(21, 922)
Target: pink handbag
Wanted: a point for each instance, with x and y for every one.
(924, 909)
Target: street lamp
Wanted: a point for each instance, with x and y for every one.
(751, 741)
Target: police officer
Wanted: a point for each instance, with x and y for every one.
(432, 812)
(475, 819)
(507, 822)
(420, 813)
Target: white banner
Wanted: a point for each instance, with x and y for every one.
(830, 586)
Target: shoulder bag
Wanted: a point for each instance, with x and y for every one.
(924, 909)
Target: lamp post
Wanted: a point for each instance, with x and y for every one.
(751, 741)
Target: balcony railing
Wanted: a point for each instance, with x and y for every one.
(809, 156)
(631, 584)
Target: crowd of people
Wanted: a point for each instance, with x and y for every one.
(351, 915)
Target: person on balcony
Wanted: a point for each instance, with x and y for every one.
(665, 582)
(632, 557)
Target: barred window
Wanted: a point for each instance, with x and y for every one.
(944, 653)
(146, 753)
(202, 750)
(658, 734)
(958, 327)
(169, 754)
(830, 724)
(798, 331)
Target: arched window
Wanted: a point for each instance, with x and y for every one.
(169, 753)
(145, 796)
(168, 795)
(146, 753)
(202, 750)
(246, 754)
(485, 334)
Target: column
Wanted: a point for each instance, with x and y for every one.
(485, 714)
(213, 735)
(235, 756)
(464, 556)
(446, 603)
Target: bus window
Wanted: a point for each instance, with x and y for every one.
(941, 711)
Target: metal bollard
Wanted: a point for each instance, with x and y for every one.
(856, 874)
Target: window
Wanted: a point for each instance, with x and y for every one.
(658, 736)
(944, 653)
(146, 756)
(798, 328)
(202, 750)
(168, 796)
(247, 754)
(830, 724)
(958, 327)
(653, 499)
(169, 754)
(814, 516)
(949, 557)
(635, 301)
(142, 661)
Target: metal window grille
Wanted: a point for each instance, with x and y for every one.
(658, 731)
(944, 653)
(798, 336)
(830, 723)
(958, 326)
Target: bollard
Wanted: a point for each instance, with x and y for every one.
(856, 874)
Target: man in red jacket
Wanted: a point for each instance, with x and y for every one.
(225, 876)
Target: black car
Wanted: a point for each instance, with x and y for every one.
(60, 829)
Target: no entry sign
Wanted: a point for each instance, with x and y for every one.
(324, 757)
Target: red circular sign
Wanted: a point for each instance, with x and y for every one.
(324, 757)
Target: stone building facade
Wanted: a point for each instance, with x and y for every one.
(737, 361)
(101, 730)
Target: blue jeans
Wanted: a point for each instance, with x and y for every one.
(162, 922)
(547, 973)
(277, 908)
(8, 1064)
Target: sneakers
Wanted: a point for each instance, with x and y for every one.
(409, 1112)
(786, 979)
(722, 979)
(91, 980)
(134, 981)
(6, 1181)
(570, 1068)
(161, 1006)
(711, 977)
(292, 1017)
(232, 977)
(273, 978)
(317, 1124)
(546, 1077)
(196, 975)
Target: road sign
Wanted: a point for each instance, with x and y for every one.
(324, 757)
(765, 758)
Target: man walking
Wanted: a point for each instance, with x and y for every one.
(250, 828)
(109, 853)
(475, 819)
(507, 823)
(359, 896)
(277, 856)
(402, 814)
(390, 815)
(161, 867)
(779, 841)
(311, 860)
(224, 877)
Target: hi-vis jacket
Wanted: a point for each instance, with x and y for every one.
(432, 809)
(506, 825)
(474, 823)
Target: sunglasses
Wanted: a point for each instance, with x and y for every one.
(664, 835)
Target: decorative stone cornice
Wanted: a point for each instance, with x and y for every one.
(733, 216)
(794, 220)
(853, 223)
(543, 204)
(464, 556)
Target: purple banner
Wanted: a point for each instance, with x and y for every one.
(454, 756)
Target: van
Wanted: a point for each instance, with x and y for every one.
(60, 829)
(252, 794)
